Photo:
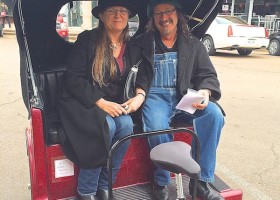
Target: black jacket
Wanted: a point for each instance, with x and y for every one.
(85, 131)
(195, 70)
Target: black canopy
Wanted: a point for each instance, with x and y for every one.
(47, 48)
(43, 49)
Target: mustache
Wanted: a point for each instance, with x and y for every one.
(162, 22)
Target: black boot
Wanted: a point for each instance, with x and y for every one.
(160, 192)
(88, 197)
(102, 194)
(204, 191)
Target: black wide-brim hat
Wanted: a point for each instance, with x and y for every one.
(103, 4)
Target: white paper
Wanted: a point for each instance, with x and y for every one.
(188, 99)
(63, 168)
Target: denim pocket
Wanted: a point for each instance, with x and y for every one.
(165, 70)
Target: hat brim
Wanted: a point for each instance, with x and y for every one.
(98, 9)
(154, 3)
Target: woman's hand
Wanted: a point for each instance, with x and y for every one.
(134, 103)
(112, 108)
(206, 94)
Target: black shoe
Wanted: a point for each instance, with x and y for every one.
(102, 194)
(88, 197)
(204, 191)
(160, 192)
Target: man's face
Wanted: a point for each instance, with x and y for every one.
(166, 19)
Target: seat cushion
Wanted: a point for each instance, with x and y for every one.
(175, 157)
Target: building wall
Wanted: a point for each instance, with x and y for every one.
(80, 15)
(239, 6)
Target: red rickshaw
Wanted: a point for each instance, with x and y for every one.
(43, 55)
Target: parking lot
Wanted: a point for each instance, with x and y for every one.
(249, 150)
(248, 156)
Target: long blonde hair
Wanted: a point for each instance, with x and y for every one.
(104, 58)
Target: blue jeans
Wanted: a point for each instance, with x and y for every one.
(158, 111)
(159, 108)
(91, 179)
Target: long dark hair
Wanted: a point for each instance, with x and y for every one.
(182, 25)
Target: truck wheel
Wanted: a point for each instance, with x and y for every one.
(209, 45)
(244, 52)
(274, 47)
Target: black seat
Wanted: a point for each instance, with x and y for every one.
(49, 84)
(49, 81)
(176, 157)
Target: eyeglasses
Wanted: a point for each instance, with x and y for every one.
(167, 13)
(112, 11)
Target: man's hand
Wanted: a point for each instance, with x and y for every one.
(206, 94)
(134, 103)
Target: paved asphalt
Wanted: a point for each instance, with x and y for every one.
(249, 150)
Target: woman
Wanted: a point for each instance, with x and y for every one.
(92, 110)
(4, 14)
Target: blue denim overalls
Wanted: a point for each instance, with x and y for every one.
(160, 104)
(159, 108)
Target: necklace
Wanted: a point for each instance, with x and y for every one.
(115, 46)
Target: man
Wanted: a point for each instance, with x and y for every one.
(176, 61)
(266, 9)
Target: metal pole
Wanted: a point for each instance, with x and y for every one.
(179, 185)
(251, 5)
(232, 7)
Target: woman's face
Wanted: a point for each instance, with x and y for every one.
(115, 18)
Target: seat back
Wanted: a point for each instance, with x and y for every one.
(49, 83)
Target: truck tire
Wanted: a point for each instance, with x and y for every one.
(274, 47)
(244, 52)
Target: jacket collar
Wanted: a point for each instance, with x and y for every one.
(145, 42)
(185, 52)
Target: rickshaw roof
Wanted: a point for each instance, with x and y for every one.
(46, 48)
(43, 50)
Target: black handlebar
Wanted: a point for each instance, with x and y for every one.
(142, 135)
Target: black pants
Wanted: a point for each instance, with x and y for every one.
(8, 20)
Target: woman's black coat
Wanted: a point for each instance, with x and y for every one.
(84, 135)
